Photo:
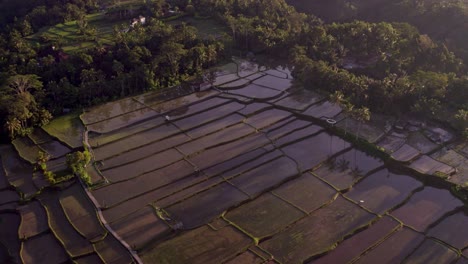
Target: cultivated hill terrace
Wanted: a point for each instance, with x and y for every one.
(245, 168)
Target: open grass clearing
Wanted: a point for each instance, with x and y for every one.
(68, 129)
(67, 34)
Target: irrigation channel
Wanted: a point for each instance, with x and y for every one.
(250, 169)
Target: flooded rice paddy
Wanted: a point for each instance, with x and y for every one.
(245, 172)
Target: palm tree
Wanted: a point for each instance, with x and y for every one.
(362, 115)
(348, 110)
(13, 126)
(336, 98)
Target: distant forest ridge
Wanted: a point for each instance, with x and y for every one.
(443, 20)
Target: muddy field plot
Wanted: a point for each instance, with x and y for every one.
(254, 158)
(247, 171)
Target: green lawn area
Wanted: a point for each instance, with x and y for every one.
(68, 129)
(67, 33)
(206, 26)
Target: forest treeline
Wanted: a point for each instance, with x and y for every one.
(443, 20)
(387, 67)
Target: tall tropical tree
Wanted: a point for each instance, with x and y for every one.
(362, 115)
(13, 127)
(22, 84)
(23, 110)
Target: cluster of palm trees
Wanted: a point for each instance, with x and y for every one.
(360, 114)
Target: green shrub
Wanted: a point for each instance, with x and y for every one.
(77, 162)
(42, 159)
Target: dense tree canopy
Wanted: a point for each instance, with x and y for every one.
(381, 66)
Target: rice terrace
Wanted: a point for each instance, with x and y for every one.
(248, 168)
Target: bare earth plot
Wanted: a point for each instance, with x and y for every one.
(244, 172)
